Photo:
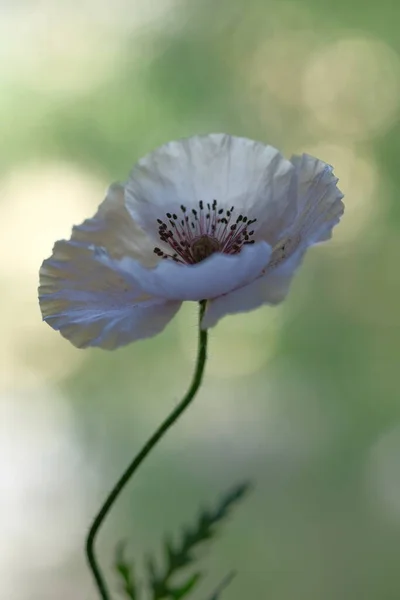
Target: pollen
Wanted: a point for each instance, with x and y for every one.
(197, 233)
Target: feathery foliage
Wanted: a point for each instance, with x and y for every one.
(179, 556)
(125, 572)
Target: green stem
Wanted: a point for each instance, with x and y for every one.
(139, 458)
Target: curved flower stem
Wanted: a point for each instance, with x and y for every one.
(139, 458)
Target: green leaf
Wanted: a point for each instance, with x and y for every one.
(181, 554)
(181, 591)
(125, 573)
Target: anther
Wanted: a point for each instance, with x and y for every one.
(194, 235)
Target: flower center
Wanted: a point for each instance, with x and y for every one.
(203, 247)
(195, 235)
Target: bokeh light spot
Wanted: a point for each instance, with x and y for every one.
(39, 203)
(352, 87)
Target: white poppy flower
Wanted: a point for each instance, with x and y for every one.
(215, 217)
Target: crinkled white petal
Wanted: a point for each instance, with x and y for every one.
(252, 177)
(319, 206)
(218, 274)
(113, 228)
(96, 303)
(319, 200)
(270, 288)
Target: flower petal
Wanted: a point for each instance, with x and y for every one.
(113, 228)
(94, 302)
(319, 200)
(319, 207)
(271, 288)
(252, 177)
(218, 274)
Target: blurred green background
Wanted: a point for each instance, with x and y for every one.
(303, 399)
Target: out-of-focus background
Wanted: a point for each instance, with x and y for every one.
(303, 399)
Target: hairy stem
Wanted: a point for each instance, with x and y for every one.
(139, 458)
